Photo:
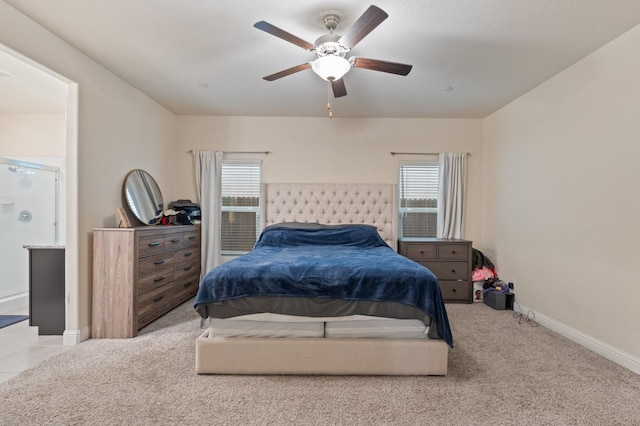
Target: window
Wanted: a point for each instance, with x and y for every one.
(240, 206)
(418, 206)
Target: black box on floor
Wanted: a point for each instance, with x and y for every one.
(498, 300)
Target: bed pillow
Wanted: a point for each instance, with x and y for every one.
(293, 234)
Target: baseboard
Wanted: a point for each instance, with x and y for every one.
(73, 337)
(612, 353)
(11, 303)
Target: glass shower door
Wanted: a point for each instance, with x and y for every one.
(29, 216)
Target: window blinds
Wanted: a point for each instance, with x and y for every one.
(240, 206)
(418, 200)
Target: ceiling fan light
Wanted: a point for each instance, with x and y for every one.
(331, 67)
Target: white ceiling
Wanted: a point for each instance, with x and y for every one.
(488, 52)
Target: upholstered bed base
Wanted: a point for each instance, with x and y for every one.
(372, 204)
(320, 356)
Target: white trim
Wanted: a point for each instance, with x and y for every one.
(11, 303)
(611, 353)
(73, 337)
(72, 235)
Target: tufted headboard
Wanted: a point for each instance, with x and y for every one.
(333, 204)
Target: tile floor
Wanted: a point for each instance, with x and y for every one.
(21, 347)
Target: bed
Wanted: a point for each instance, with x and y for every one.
(323, 292)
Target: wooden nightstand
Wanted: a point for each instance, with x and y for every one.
(449, 260)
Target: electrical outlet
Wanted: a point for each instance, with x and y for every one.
(512, 284)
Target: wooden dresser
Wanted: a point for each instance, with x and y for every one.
(141, 273)
(449, 260)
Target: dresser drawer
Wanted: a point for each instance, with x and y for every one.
(453, 252)
(192, 238)
(420, 252)
(448, 271)
(456, 291)
(187, 286)
(150, 244)
(154, 264)
(190, 266)
(187, 255)
(156, 280)
(174, 241)
(154, 302)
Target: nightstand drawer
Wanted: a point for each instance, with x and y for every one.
(421, 252)
(449, 271)
(453, 252)
(457, 291)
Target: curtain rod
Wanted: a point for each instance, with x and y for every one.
(419, 153)
(239, 152)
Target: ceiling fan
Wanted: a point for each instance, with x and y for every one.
(331, 49)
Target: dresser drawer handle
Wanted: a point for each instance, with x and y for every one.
(187, 268)
(187, 284)
(159, 298)
(154, 244)
(175, 240)
(421, 252)
(188, 254)
(157, 280)
(453, 252)
(192, 237)
(453, 290)
(453, 271)
(159, 262)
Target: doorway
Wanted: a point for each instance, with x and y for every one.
(38, 129)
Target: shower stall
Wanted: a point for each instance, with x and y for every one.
(29, 215)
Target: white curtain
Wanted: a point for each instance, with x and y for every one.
(453, 175)
(208, 166)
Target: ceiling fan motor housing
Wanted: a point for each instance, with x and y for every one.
(328, 45)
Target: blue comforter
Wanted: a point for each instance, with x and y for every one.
(339, 262)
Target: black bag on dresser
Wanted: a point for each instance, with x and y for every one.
(191, 209)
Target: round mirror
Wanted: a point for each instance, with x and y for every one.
(143, 197)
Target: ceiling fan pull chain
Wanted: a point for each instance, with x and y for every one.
(329, 100)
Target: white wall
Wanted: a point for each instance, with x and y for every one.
(119, 129)
(39, 135)
(561, 195)
(338, 150)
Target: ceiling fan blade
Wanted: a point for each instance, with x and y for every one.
(384, 66)
(366, 23)
(273, 30)
(338, 88)
(287, 72)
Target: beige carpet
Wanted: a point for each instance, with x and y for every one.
(500, 373)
